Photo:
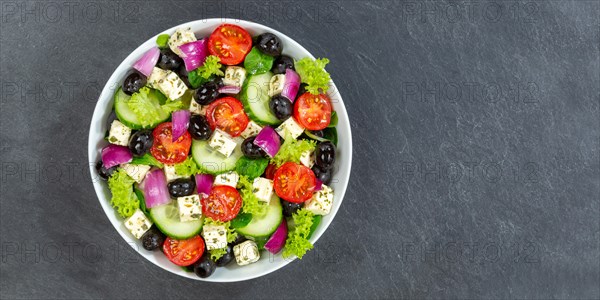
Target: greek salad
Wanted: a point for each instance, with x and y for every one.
(221, 148)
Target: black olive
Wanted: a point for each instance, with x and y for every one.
(289, 208)
(181, 187)
(103, 172)
(153, 239)
(281, 107)
(111, 117)
(282, 63)
(239, 239)
(168, 60)
(134, 82)
(207, 93)
(318, 133)
(140, 142)
(183, 75)
(199, 128)
(204, 267)
(302, 89)
(322, 174)
(226, 258)
(269, 44)
(250, 149)
(325, 155)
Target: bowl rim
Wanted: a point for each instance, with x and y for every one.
(108, 91)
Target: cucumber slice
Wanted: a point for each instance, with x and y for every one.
(166, 218)
(255, 97)
(129, 118)
(263, 227)
(211, 161)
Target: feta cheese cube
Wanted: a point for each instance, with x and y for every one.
(263, 189)
(137, 172)
(307, 158)
(222, 142)
(321, 202)
(171, 85)
(215, 236)
(230, 178)
(156, 75)
(246, 253)
(138, 224)
(196, 108)
(170, 173)
(179, 37)
(276, 84)
(190, 208)
(119, 133)
(234, 76)
(290, 125)
(251, 129)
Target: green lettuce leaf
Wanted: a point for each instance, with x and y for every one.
(124, 200)
(252, 168)
(147, 159)
(250, 203)
(312, 72)
(292, 149)
(297, 240)
(257, 62)
(187, 168)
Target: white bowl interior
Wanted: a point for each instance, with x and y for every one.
(268, 262)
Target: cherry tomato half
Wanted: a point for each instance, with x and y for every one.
(270, 171)
(184, 252)
(294, 182)
(167, 151)
(313, 111)
(227, 114)
(223, 203)
(230, 43)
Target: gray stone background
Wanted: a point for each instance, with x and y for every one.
(476, 149)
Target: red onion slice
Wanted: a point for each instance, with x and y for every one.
(204, 183)
(230, 89)
(268, 140)
(194, 54)
(277, 240)
(155, 189)
(181, 122)
(114, 155)
(291, 85)
(147, 62)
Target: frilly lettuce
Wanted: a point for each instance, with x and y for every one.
(250, 203)
(292, 149)
(187, 168)
(123, 198)
(312, 72)
(297, 240)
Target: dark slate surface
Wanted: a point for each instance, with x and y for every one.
(476, 146)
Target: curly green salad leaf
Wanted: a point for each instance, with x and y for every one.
(250, 203)
(146, 159)
(208, 70)
(187, 168)
(231, 236)
(146, 104)
(124, 200)
(312, 72)
(257, 62)
(297, 240)
(292, 149)
(252, 168)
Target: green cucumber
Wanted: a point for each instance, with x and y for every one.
(166, 218)
(263, 227)
(211, 161)
(129, 118)
(255, 97)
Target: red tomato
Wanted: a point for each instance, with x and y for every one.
(313, 111)
(223, 203)
(227, 114)
(165, 150)
(230, 43)
(294, 183)
(184, 252)
(270, 171)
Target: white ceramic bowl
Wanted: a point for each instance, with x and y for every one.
(268, 262)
